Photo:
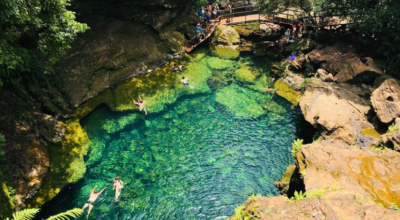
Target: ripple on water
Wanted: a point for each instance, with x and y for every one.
(187, 162)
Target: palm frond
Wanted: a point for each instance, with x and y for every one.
(73, 213)
(26, 214)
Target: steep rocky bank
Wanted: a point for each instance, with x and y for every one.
(350, 171)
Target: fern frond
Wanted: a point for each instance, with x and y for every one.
(26, 214)
(73, 213)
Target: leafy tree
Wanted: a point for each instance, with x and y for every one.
(45, 25)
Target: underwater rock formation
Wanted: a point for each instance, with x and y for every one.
(386, 101)
(336, 112)
(241, 102)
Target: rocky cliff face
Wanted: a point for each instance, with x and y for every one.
(127, 38)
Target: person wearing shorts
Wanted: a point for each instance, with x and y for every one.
(185, 82)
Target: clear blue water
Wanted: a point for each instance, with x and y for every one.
(193, 160)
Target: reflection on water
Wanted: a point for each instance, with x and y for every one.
(193, 160)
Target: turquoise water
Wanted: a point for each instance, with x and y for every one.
(193, 160)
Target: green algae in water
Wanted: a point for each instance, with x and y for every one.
(196, 159)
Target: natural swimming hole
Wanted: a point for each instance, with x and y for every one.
(196, 159)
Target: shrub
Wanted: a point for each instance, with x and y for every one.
(296, 147)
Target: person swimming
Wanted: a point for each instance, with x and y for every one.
(176, 68)
(185, 82)
(269, 89)
(118, 185)
(93, 196)
(142, 105)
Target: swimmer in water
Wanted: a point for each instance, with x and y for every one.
(118, 185)
(93, 196)
(185, 82)
(269, 89)
(141, 104)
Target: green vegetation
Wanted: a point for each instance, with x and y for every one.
(29, 214)
(298, 196)
(245, 75)
(393, 128)
(296, 147)
(394, 206)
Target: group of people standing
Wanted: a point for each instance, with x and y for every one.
(290, 36)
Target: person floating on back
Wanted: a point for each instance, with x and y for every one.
(185, 82)
(141, 104)
(269, 89)
(93, 196)
(118, 185)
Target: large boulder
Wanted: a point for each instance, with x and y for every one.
(355, 70)
(226, 36)
(344, 66)
(386, 100)
(336, 112)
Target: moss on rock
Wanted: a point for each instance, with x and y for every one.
(245, 75)
(218, 81)
(219, 64)
(226, 52)
(288, 93)
(370, 132)
(6, 206)
(241, 102)
(66, 163)
(305, 45)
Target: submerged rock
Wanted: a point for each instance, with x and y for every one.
(241, 102)
(218, 81)
(386, 100)
(245, 75)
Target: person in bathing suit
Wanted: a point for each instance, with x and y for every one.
(184, 81)
(118, 185)
(141, 104)
(269, 89)
(93, 196)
